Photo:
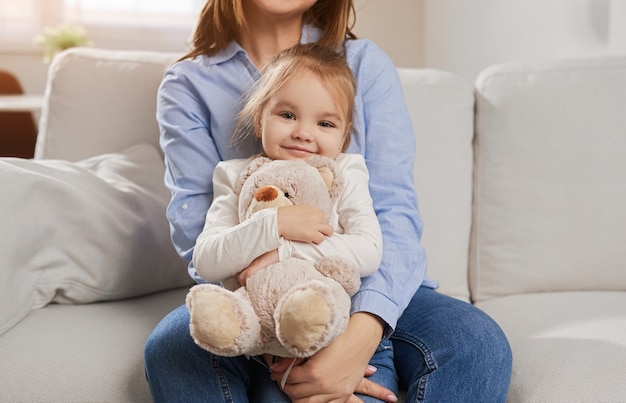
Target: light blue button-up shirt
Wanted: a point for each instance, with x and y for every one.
(198, 101)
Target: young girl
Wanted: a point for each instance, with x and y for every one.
(302, 106)
(443, 349)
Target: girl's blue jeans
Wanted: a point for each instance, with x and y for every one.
(442, 350)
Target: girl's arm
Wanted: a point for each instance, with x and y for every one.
(225, 247)
(358, 237)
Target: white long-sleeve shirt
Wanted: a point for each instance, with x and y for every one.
(226, 246)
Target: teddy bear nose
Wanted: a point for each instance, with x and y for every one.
(266, 194)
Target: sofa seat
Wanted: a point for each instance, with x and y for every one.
(561, 339)
(84, 352)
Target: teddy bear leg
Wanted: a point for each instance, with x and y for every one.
(221, 321)
(309, 316)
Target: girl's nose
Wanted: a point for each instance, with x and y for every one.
(302, 133)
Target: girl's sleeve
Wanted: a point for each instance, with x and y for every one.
(358, 238)
(225, 246)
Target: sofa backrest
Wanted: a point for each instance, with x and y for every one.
(550, 185)
(441, 105)
(100, 101)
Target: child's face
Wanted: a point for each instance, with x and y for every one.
(302, 119)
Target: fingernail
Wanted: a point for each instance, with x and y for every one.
(392, 398)
(372, 368)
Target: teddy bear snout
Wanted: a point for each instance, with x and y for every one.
(266, 194)
(267, 197)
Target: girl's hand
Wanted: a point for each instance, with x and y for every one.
(303, 224)
(335, 373)
(257, 264)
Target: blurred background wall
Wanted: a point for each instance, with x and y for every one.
(461, 36)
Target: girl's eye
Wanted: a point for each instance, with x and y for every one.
(326, 123)
(288, 115)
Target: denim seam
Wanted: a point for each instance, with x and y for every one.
(429, 359)
(215, 362)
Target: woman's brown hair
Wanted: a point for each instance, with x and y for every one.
(221, 21)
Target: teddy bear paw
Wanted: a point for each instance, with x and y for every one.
(307, 318)
(220, 321)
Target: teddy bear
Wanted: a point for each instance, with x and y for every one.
(292, 308)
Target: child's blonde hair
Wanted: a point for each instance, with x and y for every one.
(325, 63)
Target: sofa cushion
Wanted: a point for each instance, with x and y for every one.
(441, 105)
(100, 101)
(567, 346)
(82, 353)
(82, 232)
(550, 193)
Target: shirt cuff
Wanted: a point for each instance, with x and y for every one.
(377, 304)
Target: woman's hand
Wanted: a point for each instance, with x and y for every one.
(303, 224)
(335, 373)
(257, 264)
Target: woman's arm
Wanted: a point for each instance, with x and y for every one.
(196, 106)
(386, 138)
(190, 157)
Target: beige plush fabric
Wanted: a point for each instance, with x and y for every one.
(550, 190)
(442, 110)
(567, 346)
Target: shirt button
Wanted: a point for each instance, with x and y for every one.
(185, 206)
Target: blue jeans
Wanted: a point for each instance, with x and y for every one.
(442, 350)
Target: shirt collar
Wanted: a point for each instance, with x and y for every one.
(309, 34)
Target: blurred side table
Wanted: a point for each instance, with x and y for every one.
(18, 128)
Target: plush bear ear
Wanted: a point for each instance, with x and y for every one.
(254, 165)
(329, 169)
(327, 175)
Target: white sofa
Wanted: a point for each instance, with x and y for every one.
(522, 186)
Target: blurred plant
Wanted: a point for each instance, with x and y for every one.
(59, 38)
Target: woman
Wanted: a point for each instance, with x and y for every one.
(443, 349)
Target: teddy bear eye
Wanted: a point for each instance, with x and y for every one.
(286, 194)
